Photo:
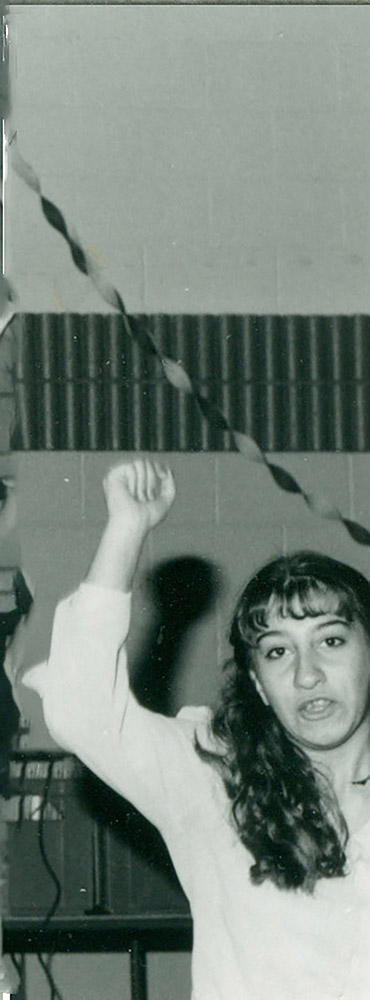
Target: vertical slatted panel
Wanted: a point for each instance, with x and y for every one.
(157, 401)
(22, 431)
(292, 383)
(351, 391)
(178, 341)
(315, 394)
(48, 389)
(272, 415)
(113, 400)
(292, 395)
(226, 388)
(360, 435)
(71, 389)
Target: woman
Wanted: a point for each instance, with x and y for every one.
(264, 804)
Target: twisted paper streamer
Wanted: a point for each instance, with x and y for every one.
(174, 370)
(6, 310)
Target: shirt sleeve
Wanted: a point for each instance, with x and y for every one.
(90, 711)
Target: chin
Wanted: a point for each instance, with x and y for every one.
(325, 742)
(329, 740)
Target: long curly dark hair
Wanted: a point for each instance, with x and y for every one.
(284, 809)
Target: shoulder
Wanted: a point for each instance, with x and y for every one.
(195, 722)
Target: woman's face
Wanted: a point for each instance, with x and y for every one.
(314, 672)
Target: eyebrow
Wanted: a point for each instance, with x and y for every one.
(334, 621)
(266, 635)
(320, 625)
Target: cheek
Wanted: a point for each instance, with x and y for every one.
(280, 703)
(273, 691)
(362, 685)
(353, 676)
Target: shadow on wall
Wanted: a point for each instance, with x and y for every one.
(133, 871)
(181, 592)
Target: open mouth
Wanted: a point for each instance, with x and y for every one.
(317, 708)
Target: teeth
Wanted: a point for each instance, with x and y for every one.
(317, 703)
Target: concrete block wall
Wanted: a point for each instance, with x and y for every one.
(228, 511)
(214, 159)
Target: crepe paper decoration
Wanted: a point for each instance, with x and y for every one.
(4, 62)
(6, 309)
(176, 374)
(174, 371)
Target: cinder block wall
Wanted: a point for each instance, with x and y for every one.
(214, 159)
(228, 511)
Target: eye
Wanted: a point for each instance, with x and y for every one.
(275, 653)
(333, 641)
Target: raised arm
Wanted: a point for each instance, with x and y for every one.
(88, 706)
(138, 495)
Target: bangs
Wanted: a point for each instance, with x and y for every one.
(299, 597)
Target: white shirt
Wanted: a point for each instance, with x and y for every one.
(250, 942)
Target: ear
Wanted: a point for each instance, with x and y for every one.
(258, 687)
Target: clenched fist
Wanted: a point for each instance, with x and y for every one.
(139, 494)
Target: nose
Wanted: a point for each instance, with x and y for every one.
(308, 672)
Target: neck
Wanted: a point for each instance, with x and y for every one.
(347, 764)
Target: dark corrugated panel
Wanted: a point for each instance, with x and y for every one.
(360, 409)
(293, 383)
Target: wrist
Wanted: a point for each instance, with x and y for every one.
(118, 554)
(124, 534)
